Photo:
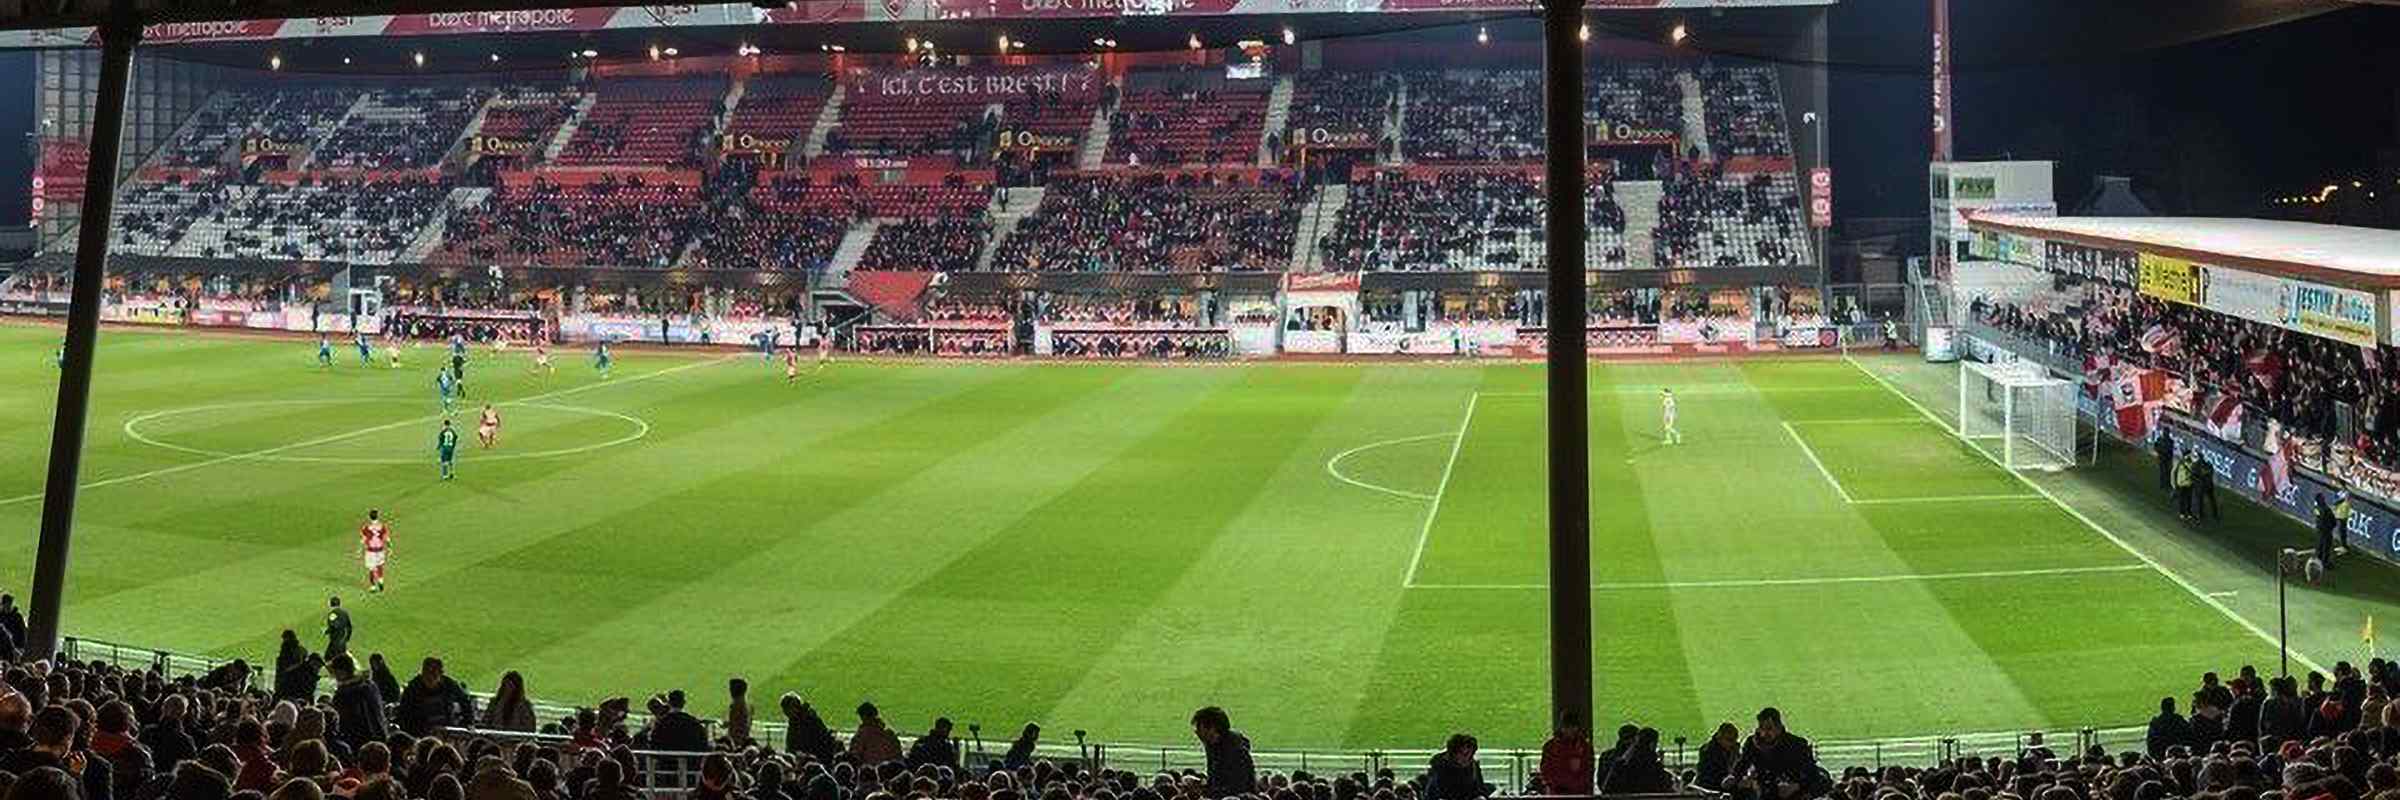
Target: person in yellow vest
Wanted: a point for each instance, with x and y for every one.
(2183, 488)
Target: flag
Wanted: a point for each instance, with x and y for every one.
(2279, 462)
(2224, 415)
(2161, 341)
(2135, 395)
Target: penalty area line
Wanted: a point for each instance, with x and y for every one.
(1832, 581)
(345, 435)
(2206, 598)
(1333, 465)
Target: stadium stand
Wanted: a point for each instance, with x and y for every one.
(1459, 219)
(653, 122)
(608, 222)
(1343, 101)
(1188, 118)
(1158, 222)
(1744, 109)
(1710, 219)
(367, 221)
(401, 129)
(1474, 116)
(779, 107)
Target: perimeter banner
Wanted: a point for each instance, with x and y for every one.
(1079, 82)
(2270, 481)
(2171, 279)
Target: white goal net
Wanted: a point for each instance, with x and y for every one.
(2026, 416)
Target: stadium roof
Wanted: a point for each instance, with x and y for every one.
(2366, 258)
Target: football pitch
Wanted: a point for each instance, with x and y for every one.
(1343, 556)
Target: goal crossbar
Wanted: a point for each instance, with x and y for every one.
(2020, 409)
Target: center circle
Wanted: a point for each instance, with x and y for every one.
(133, 430)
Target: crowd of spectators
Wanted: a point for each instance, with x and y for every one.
(337, 219)
(1459, 220)
(609, 222)
(949, 242)
(1154, 222)
(1474, 116)
(2299, 380)
(1710, 218)
(402, 128)
(957, 310)
(1744, 111)
(76, 731)
(1343, 102)
(1191, 120)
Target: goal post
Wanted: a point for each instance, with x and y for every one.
(2026, 416)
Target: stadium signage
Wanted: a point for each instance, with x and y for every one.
(1035, 140)
(211, 31)
(2329, 312)
(263, 146)
(541, 19)
(2092, 263)
(753, 143)
(1820, 197)
(1606, 132)
(2271, 480)
(2171, 279)
(483, 145)
(1333, 137)
(2334, 313)
(33, 308)
(1067, 81)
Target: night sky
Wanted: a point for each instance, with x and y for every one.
(2211, 126)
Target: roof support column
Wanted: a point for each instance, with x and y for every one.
(1570, 445)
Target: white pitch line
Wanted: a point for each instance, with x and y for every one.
(182, 468)
(1764, 582)
(1812, 458)
(2204, 597)
(1643, 390)
(1860, 421)
(1332, 465)
(1956, 498)
(1434, 508)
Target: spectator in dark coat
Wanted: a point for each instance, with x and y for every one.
(2241, 720)
(114, 740)
(381, 674)
(12, 619)
(1230, 770)
(805, 732)
(1454, 773)
(2282, 717)
(874, 742)
(675, 729)
(1020, 752)
(432, 701)
(1718, 756)
(53, 735)
(170, 738)
(2208, 722)
(2168, 729)
(357, 704)
(1775, 764)
(935, 748)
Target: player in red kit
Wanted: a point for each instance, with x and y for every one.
(791, 365)
(487, 430)
(374, 544)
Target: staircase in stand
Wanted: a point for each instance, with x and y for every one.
(456, 156)
(1695, 112)
(1639, 199)
(1021, 200)
(828, 118)
(1314, 218)
(1393, 128)
(1279, 116)
(1095, 139)
(431, 237)
(852, 249)
(566, 130)
(318, 139)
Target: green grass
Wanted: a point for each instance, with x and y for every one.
(1106, 546)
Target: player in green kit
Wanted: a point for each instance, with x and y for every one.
(602, 360)
(446, 446)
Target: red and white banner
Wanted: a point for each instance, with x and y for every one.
(548, 19)
(1820, 197)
